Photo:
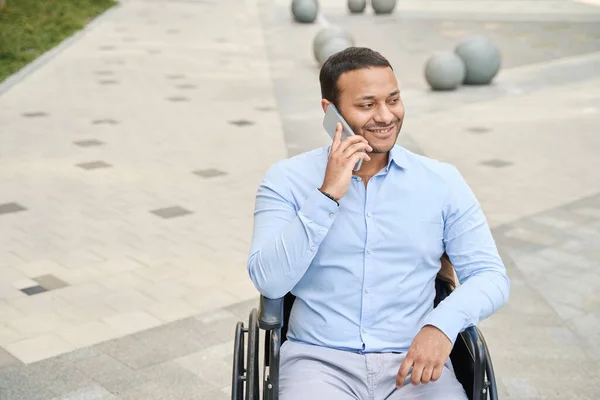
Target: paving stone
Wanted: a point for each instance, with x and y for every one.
(57, 375)
(92, 392)
(496, 163)
(24, 283)
(88, 333)
(129, 322)
(8, 335)
(242, 309)
(89, 143)
(171, 212)
(241, 122)
(171, 310)
(478, 130)
(34, 114)
(38, 348)
(178, 99)
(34, 290)
(7, 360)
(50, 282)
(17, 384)
(79, 354)
(105, 121)
(153, 346)
(210, 369)
(209, 173)
(9, 208)
(108, 372)
(94, 165)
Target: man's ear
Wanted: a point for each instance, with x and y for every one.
(324, 104)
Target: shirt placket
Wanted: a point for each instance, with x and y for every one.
(368, 264)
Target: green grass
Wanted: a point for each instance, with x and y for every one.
(28, 28)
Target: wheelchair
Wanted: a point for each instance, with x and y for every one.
(469, 356)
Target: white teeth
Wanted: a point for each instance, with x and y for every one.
(380, 130)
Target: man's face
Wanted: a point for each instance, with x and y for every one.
(369, 100)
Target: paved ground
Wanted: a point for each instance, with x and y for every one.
(130, 160)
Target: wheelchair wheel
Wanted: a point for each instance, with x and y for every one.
(239, 371)
(252, 378)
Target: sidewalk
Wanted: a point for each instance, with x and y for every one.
(130, 161)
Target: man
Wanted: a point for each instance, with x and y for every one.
(361, 250)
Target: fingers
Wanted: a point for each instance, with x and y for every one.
(436, 373)
(357, 156)
(417, 374)
(403, 372)
(356, 147)
(426, 376)
(349, 141)
(337, 137)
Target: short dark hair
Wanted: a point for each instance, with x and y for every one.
(349, 59)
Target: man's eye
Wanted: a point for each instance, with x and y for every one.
(367, 105)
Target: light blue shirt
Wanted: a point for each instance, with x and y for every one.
(363, 273)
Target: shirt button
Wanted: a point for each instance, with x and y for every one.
(367, 290)
(331, 215)
(364, 330)
(312, 248)
(358, 178)
(369, 214)
(368, 251)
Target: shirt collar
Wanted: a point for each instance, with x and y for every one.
(398, 157)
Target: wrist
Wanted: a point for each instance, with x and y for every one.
(329, 195)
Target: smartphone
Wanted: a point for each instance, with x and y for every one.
(332, 117)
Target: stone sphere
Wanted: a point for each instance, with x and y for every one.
(331, 47)
(482, 60)
(444, 71)
(357, 6)
(383, 6)
(305, 11)
(326, 34)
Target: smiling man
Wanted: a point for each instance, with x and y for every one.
(360, 250)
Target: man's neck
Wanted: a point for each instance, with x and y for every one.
(369, 168)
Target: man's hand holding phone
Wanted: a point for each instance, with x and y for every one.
(343, 157)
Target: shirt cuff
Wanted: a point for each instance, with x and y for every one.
(449, 323)
(320, 209)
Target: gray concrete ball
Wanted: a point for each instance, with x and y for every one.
(482, 60)
(326, 34)
(444, 70)
(357, 6)
(383, 6)
(331, 47)
(305, 11)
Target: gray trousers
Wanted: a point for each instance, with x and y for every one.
(317, 373)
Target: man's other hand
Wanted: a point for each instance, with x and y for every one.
(426, 356)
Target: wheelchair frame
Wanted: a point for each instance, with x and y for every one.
(470, 356)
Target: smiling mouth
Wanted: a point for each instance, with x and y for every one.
(382, 131)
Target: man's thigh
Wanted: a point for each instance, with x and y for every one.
(447, 388)
(315, 373)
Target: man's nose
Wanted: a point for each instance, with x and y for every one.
(384, 115)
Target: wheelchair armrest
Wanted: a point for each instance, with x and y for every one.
(270, 313)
